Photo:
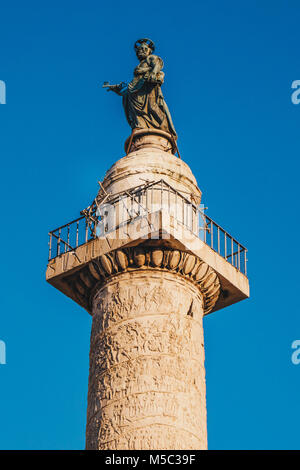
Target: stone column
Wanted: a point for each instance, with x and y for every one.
(147, 278)
(147, 376)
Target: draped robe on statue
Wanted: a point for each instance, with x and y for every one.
(143, 100)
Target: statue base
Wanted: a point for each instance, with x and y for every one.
(153, 138)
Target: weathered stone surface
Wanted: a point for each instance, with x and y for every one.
(147, 377)
(151, 164)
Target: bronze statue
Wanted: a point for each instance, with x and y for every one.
(143, 100)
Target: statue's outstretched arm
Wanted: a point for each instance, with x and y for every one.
(119, 88)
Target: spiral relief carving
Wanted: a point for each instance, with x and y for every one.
(147, 371)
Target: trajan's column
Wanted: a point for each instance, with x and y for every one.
(147, 263)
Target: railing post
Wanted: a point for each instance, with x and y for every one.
(58, 242)
(77, 228)
(86, 230)
(232, 251)
(50, 245)
(152, 198)
(211, 234)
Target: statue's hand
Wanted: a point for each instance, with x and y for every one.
(116, 88)
(112, 87)
(152, 77)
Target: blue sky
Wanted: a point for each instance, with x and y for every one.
(229, 67)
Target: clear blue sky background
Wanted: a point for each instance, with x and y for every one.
(229, 67)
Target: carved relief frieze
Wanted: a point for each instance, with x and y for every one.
(147, 363)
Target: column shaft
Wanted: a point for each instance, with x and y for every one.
(147, 376)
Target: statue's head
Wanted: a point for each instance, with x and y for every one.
(143, 48)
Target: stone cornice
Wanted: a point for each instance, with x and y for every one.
(85, 281)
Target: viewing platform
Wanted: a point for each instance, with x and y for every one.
(154, 213)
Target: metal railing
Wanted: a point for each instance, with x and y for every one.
(69, 236)
(223, 243)
(102, 218)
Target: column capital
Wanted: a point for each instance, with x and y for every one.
(86, 281)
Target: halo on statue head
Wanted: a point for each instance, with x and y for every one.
(147, 41)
